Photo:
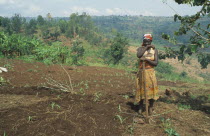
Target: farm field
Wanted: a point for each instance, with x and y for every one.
(101, 103)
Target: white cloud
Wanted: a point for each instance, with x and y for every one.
(34, 8)
(23, 7)
(88, 10)
(109, 11)
(147, 13)
(115, 11)
(92, 11)
(2, 2)
(75, 9)
(119, 11)
(66, 13)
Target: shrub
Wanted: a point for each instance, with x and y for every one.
(17, 45)
(164, 67)
(52, 54)
(77, 51)
(183, 74)
(117, 50)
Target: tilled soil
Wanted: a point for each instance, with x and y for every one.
(32, 103)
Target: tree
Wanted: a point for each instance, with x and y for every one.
(6, 23)
(45, 31)
(117, 49)
(16, 21)
(55, 34)
(1, 18)
(31, 27)
(40, 20)
(81, 25)
(63, 25)
(200, 39)
(77, 51)
(49, 16)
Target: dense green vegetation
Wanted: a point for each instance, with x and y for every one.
(134, 27)
(198, 25)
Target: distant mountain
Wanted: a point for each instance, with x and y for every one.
(134, 27)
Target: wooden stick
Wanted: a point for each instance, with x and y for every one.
(145, 92)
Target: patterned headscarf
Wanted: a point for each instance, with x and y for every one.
(147, 36)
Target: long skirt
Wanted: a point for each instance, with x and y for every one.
(150, 82)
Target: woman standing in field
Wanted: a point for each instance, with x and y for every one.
(149, 55)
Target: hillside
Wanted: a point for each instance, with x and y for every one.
(191, 66)
(133, 27)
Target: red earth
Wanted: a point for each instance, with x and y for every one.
(100, 103)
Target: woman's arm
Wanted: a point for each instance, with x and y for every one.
(141, 51)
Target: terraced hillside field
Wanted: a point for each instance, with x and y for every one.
(34, 101)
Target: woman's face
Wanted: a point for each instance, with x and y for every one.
(147, 41)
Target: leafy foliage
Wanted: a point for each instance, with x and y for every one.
(117, 49)
(164, 68)
(31, 27)
(52, 54)
(168, 127)
(63, 25)
(17, 45)
(81, 25)
(200, 39)
(16, 22)
(40, 20)
(77, 51)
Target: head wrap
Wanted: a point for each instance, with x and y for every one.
(147, 36)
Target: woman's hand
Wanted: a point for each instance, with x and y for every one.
(150, 46)
(143, 59)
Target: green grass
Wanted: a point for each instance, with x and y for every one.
(120, 118)
(176, 77)
(136, 44)
(1, 56)
(165, 71)
(9, 66)
(206, 76)
(2, 81)
(4, 134)
(32, 70)
(168, 127)
(97, 96)
(183, 106)
(160, 47)
(28, 58)
(53, 105)
(164, 67)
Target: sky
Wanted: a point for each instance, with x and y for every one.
(63, 8)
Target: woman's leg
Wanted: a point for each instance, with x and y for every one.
(140, 106)
(151, 104)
